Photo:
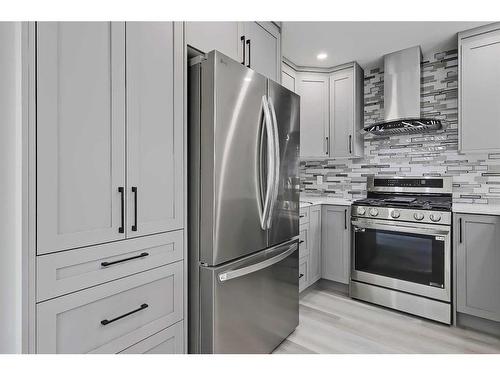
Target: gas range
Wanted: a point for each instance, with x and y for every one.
(411, 199)
(401, 245)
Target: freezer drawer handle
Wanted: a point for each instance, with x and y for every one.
(141, 255)
(106, 321)
(258, 266)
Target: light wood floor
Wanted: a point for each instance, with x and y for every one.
(333, 323)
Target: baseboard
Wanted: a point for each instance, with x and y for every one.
(489, 327)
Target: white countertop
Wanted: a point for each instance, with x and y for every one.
(312, 200)
(476, 208)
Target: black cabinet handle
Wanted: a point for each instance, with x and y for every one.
(121, 190)
(301, 241)
(327, 146)
(249, 65)
(107, 264)
(345, 219)
(244, 49)
(301, 216)
(108, 321)
(350, 143)
(134, 190)
(301, 275)
(460, 229)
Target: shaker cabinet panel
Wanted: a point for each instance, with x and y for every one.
(477, 240)
(221, 36)
(341, 112)
(314, 114)
(154, 127)
(80, 137)
(168, 341)
(346, 112)
(113, 316)
(335, 252)
(479, 92)
(288, 78)
(263, 50)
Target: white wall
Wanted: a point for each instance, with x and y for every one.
(10, 187)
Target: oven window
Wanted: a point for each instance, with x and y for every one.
(406, 256)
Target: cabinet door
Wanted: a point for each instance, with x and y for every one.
(479, 91)
(315, 244)
(335, 252)
(341, 113)
(288, 78)
(263, 50)
(313, 91)
(478, 263)
(222, 36)
(80, 133)
(155, 138)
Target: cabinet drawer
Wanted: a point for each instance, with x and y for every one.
(304, 215)
(168, 341)
(303, 273)
(303, 240)
(69, 271)
(111, 317)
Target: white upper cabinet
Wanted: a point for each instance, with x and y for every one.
(346, 112)
(155, 108)
(288, 78)
(254, 44)
(479, 89)
(80, 133)
(314, 113)
(222, 36)
(263, 50)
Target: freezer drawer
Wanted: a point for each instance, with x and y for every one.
(251, 305)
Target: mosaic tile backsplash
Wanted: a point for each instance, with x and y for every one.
(476, 177)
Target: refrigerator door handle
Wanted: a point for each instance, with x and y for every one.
(264, 209)
(233, 274)
(276, 155)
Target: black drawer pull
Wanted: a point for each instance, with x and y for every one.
(106, 321)
(121, 190)
(301, 216)
(141, 255)
(301, 241)
(301, 275)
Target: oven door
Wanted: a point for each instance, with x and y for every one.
(409, 257)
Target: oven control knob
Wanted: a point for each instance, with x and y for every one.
(418, 216)
(395, 214)
(361, 211)
(435, 217)
(373, 211)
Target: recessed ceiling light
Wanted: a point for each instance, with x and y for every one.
(321, 56)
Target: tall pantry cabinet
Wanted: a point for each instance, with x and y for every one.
(110, 177)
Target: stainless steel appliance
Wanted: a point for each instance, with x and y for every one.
(402, 245)
(243, 208)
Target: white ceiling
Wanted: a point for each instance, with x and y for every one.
(364, 42)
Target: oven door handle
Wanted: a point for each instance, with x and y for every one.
(362, 226)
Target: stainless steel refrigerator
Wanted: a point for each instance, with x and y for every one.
(243, 208)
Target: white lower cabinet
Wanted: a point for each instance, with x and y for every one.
(112, 317)
(303, 273)
(336, 243)
(168, 341)
(309, 246)
(69, 271)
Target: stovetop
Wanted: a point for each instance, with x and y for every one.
(419, 202)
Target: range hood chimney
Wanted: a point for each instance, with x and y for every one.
(402, 96)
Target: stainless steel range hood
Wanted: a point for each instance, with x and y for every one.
(402, 96)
